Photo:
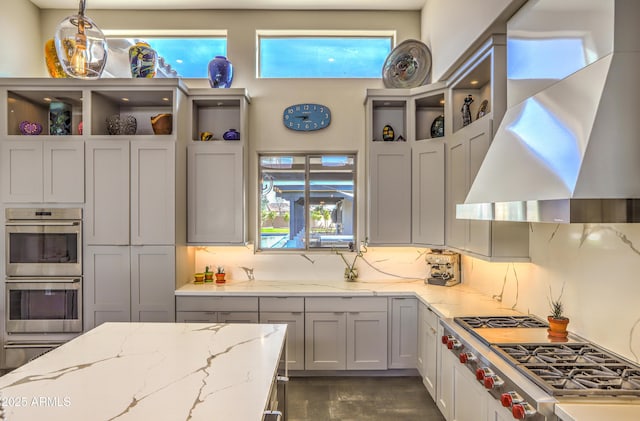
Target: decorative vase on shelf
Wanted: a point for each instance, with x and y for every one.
(143, 60)
(126, 124)
(220, 72)
(59, 118)
(28, 128)
(162, 123)
(51, 59)
(232, 134)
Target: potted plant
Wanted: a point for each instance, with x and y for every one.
(557, 320)
(208, 275)
(198, 278)
(220, 275)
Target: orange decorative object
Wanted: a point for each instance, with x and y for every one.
(220, 278)
(162, 123)
(557, 327)
(51, 58)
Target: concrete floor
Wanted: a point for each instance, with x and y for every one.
(360, 399)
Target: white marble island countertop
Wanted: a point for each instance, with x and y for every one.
(149, 371)
(457, 300)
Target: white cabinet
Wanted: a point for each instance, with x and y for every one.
(470, 397)
(36, 171)
(497, 412)
(289, 311)
(427, 348)
(403, 332)
(346, 333)
(428, 197)
(203, 309)
(389, 202)
(466, 150)
(445, 380)
(216, 193)
(123, 283)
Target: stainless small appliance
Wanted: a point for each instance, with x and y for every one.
(444, 268)
(43, 242)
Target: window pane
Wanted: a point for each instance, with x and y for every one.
(178, 56)
(282, 223)
(331, 199)
(323, 57)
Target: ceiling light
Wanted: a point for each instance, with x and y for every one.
(474, 82)
(81, 46)
(165, 99)
(125, 99)
(442, 101)
(46, 99)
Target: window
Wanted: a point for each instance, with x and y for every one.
(307, 55)
(307, 202)
(179, 56)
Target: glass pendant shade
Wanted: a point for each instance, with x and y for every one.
(81, 46)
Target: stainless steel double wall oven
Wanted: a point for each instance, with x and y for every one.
(43, 284)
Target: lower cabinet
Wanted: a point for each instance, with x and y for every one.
(289, 311)
(427, 348)
(203, 309)
(346, 333)
(128, 283)
(445, 381)
(403, 331)
(470, 397)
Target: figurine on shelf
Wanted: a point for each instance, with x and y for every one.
(388, 133)
(483, 109)
(466, 110)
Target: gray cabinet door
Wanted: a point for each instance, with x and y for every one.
(107, 180)
(107, 286)
(404, 333)
(389, 193)
(215, 194)
(153, 284)
(295, 335)
(63, 166)
(367, 340)
(325, 341)
(428, 185)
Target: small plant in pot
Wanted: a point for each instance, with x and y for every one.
(208, 275)
(557, 321)
(220, 275)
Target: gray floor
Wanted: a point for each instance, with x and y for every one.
(360, 399)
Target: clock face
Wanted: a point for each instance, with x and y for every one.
(306, 117)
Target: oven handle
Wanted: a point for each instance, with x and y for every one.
(32, 345)
(43, 223)
(47, 280)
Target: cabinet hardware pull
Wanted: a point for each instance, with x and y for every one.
(354, 312)
(296, 313)
(338, 313)
(282, 379)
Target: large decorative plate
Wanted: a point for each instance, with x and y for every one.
(407, 66)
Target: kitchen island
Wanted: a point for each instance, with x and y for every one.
(153, 371)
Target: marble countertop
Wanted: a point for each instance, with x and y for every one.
(457, 300)
(598, 411)
(153, 371)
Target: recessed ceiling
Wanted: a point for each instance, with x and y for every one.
(236, 4)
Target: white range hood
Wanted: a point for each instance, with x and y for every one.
(571, 151)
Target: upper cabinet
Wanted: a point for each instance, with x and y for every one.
(477, 102)
(216, 166)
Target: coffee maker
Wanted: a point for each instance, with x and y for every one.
(444, 268)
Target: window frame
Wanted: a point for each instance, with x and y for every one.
(307, 172)
(267, 33)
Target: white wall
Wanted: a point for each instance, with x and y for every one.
(21, 43)
(453, 28)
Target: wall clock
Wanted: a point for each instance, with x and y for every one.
(306, 117)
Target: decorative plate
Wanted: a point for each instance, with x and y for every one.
(407, 66)
(437, 127)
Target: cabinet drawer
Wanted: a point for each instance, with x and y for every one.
(217, 304)
(196, 317)
(430, 317)
(280, 304)
(346, 304)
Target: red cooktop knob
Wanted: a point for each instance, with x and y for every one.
(450, 344)
(445, 339)
(488, 382)
(506, 400)
(518, 412)
(463, 357)
(480, 374)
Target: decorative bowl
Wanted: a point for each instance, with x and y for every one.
(232, 134)
(407, 66)
(30, 129)
(162, 123)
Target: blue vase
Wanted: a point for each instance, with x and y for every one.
(143, 60)
(232, 134)
(220, 72)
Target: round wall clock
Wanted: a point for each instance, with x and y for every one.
(306, 117)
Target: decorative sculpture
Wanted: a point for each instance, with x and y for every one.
(466, 110)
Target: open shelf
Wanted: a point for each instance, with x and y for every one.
(215, 115)
(427, 110)
(141, 104)
(392, 113)
(477, 82)
(33, 106)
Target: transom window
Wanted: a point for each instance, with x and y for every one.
(307, 201)
(322, 55)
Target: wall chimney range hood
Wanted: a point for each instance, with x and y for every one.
(568, 150)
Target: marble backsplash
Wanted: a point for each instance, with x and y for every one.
(594, 266)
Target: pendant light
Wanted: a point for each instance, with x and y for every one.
(81, 46)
